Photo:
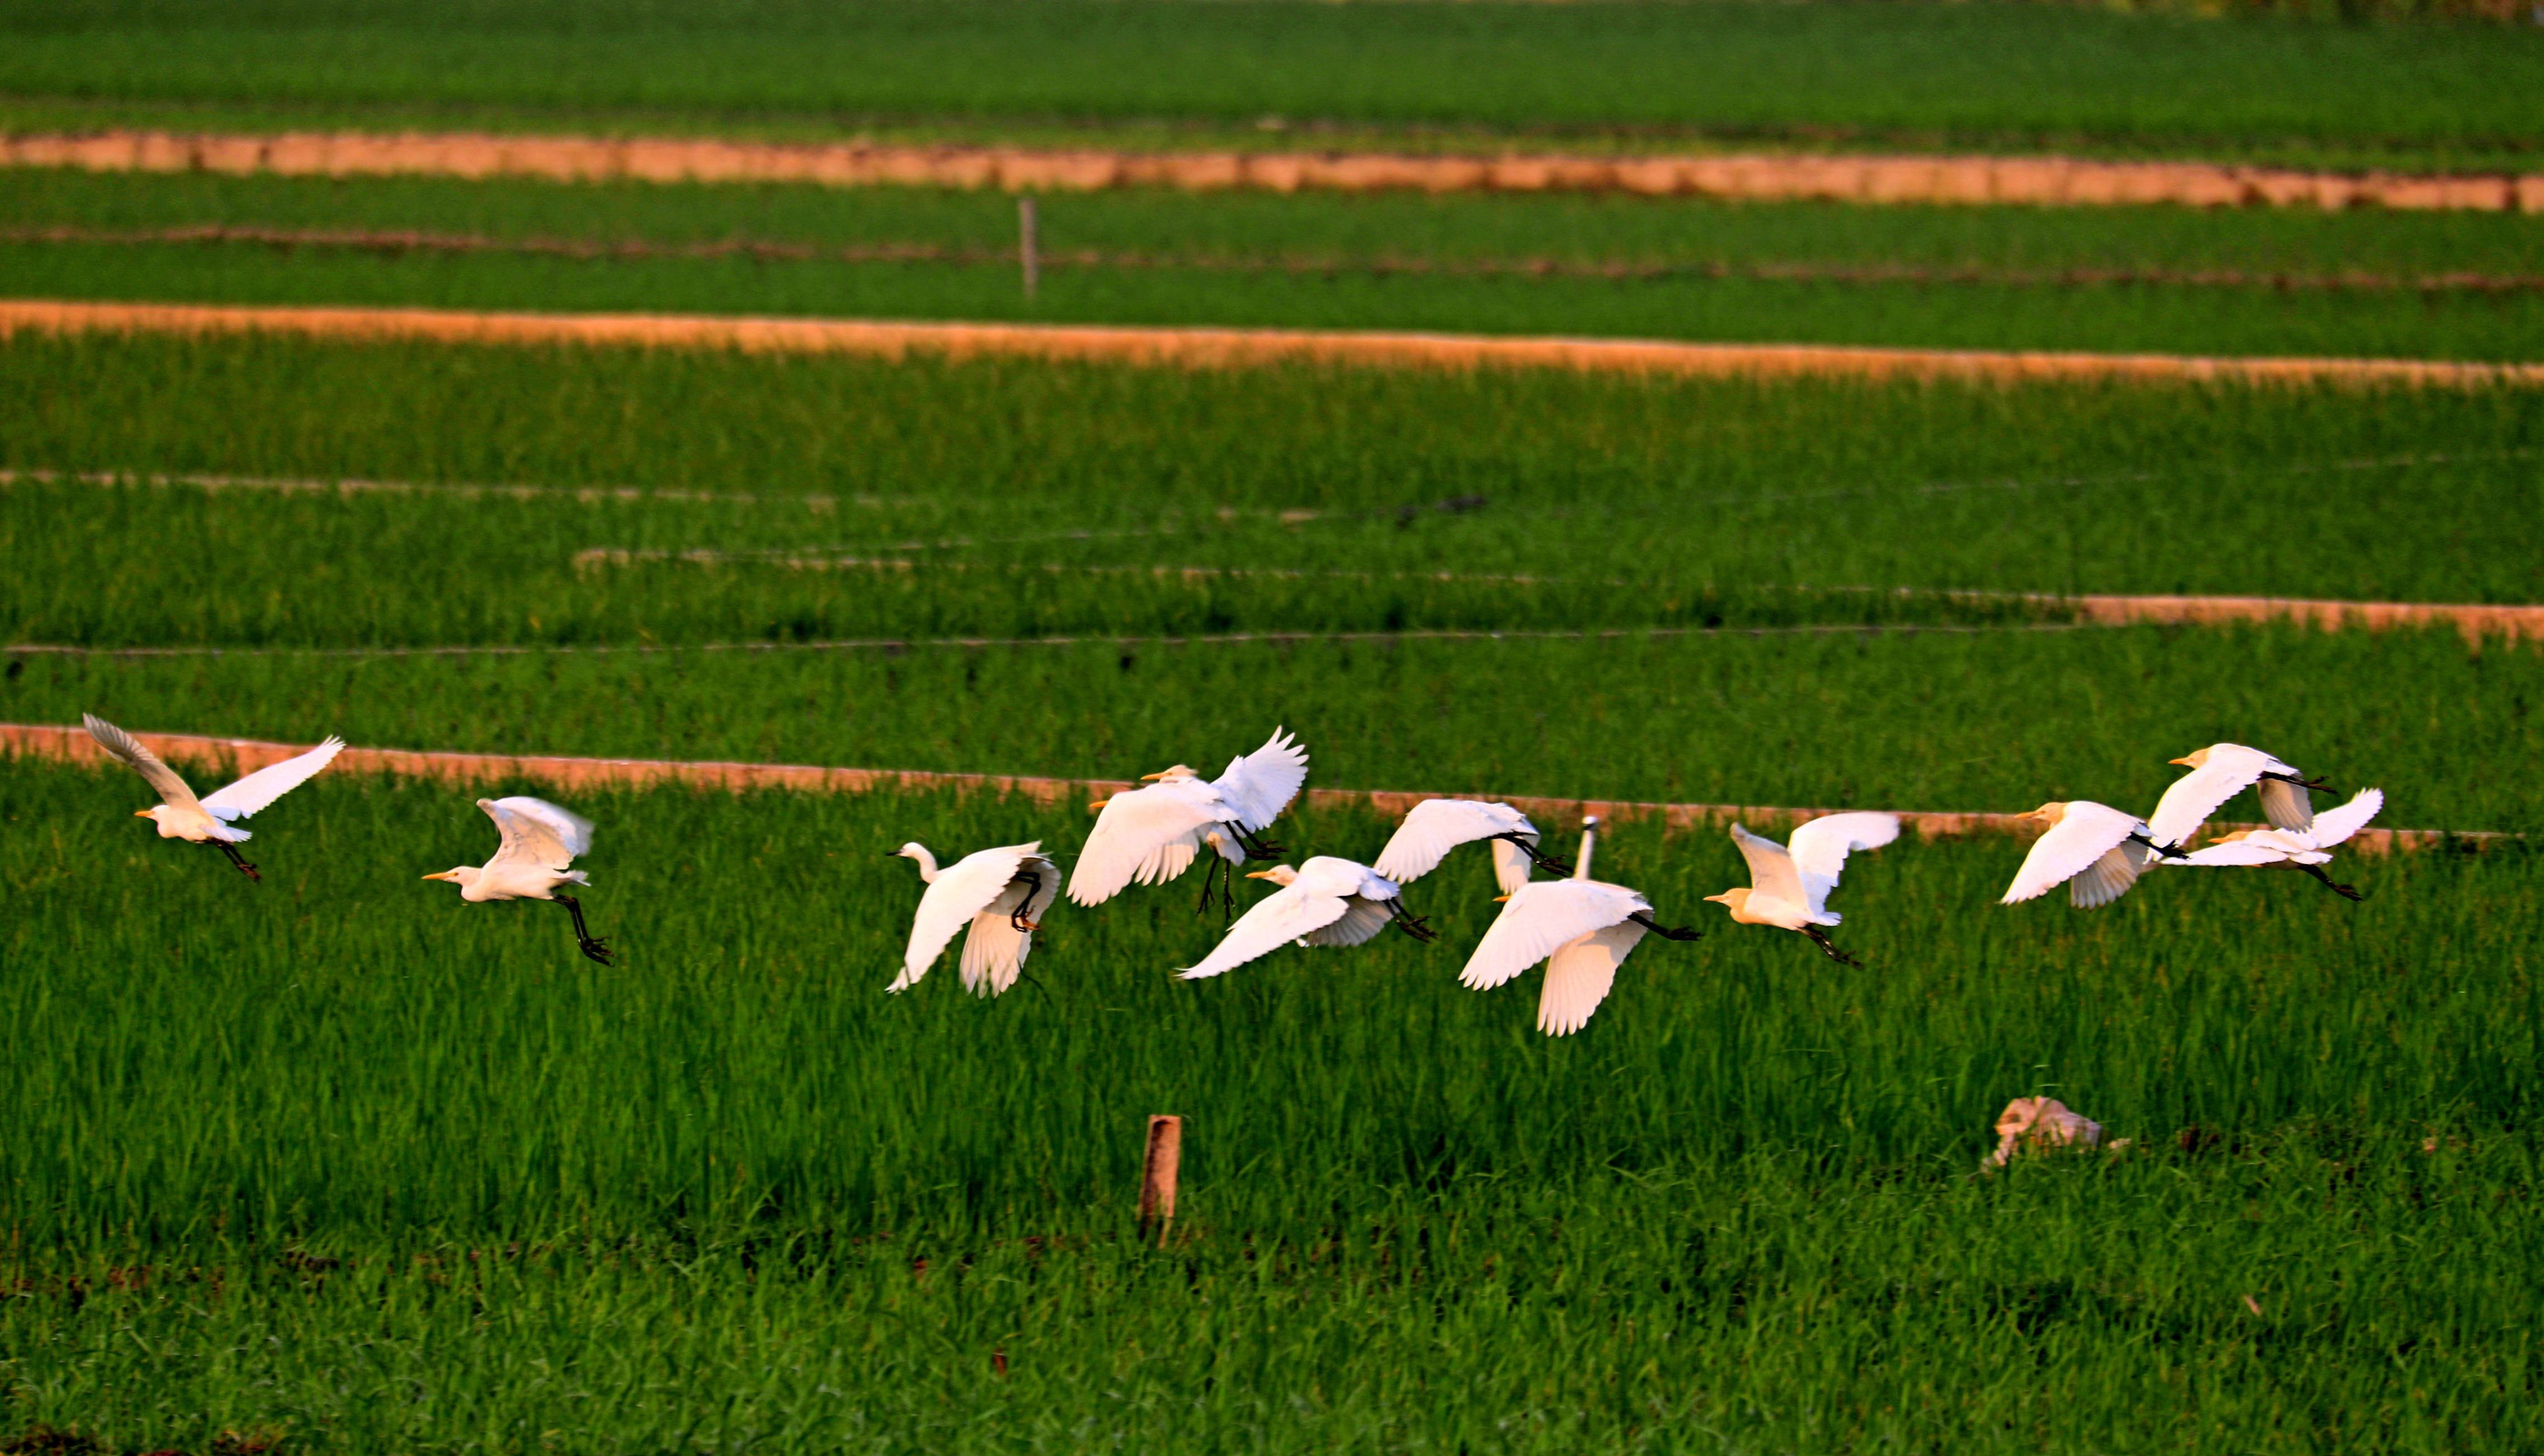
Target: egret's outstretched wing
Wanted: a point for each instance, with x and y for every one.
(2110, 876)
(993, 950)
(536, 833)
(2231, 769)
(1578, 976)
(1261, 784)
(161, 778)
(959, 893)
(1284, 915)
(1820, 846)
(2335, 825)
(2244, 853)
(240, 800)
(1362, 920)
(1436, 827)
(2287, 806)
(1541, 918)
(2072, 846)
(1772, 871)
(1150, 834)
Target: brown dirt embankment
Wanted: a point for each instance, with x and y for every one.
(2035, 181)
(1204, 347)
(242, 755)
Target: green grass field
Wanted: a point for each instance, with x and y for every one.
(1848, 74)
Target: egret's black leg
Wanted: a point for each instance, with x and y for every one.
(1416, 926)
(1033, 886)
(2316, 783)
(1665, 932)
(1538, 857)
(2346, 892)
(1820, 939)
(591, 948)
(245, 868)
(2162, 851)
(1256, 846)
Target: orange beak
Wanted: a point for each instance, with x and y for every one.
(1498, 899)
(1150, 778)
(438, 875)
(141, 814)
(1258, 875)
(2185, 762)
(1099, 803)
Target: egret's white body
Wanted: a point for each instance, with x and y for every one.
(532, 863)
(1582, 928)
(2218, 773)
(2094, 849)
(1150, 835)
(2296, 849)
(1436, 827)
(212, 818)
(1000, 893)
(1789, 883)
(1325, 901)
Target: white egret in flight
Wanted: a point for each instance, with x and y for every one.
(214, 818)
(2101, 849)
(1325, 901)
(1000, 893)
(2218, 773)
(539, 841)
(1436, 827)
(1152, 834)
(1581, 928)
(2298, 849)
(1789, 886)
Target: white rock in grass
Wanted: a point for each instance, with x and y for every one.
(2040, 1123)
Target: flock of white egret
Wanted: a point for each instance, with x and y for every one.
(1581, 929)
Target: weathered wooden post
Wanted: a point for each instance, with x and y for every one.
(1158, 1175)
(1026, 252)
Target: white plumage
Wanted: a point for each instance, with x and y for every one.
(1436, 827)
(535, 861)
(2218, 773)
(212, 818)
(1000, 893)
(2296, 849)
(1581, 928)
(2098, 848)
(1150, 835)
(1325, 901)
(1789, 883)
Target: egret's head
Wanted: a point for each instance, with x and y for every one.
(2047, 814)
(2231, 838)
(463, 876)
(2197, 758)
(1278, 875)
(152, 812)
(1730, 899)
(911, 851)
(1168, 776)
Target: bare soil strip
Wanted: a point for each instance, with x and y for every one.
(2030, 181)
(244, 755)
(394, 243)
(1232, 348)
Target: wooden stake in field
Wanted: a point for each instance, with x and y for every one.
(1158, 1175)
(1026, 253)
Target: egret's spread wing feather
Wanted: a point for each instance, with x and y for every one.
(960, 892)
(2287, 806)
(537, 834)
(2231, 769)
(1820, 846)
(1362, 920)
(1541, 918)
(2071, 846)
(1261, 784)
(571, 829)
(2110, 876)
(1579, 975)
(2335, 825)
(993, 950)
(2235, 853)
(240, 800)
(161, 778)
(1436, 827)
(1287, 914)
(1772, 871)
(1149, 833)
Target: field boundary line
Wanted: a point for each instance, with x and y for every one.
(1221, 348)
(1860, 178)
(73, 745)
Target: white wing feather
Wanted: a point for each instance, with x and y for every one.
(1539, 920)
(993, 950)
(2244, 853)
(1772, 871)
(959, 893)
(2231, 769)
(1286, 915)
(1361, 921)
(2287, 806)
(160, 777)
(1436, 827)
(2335, 825)
(1819, 848)
(2072, 844)
(536, 833)
(1261, 784)
(1579, 975)
(240, 800)
(2109, 877)
(1150, 834)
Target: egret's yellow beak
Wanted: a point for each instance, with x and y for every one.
(1258, 873)
(2186, 762)
(1497, 899)
(1724, 898)
(141, 814)
(1099, 803)
(1150, 778)
(438, 875)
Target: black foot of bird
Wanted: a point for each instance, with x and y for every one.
(1666, 932)
(1829, 948)
(1416, 926)
(592, 948)
(2346, 892)
(244, 867)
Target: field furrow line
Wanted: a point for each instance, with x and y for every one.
(1221, 348)
(2036, 181)
(72, 744)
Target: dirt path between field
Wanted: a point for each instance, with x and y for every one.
(1209, 348)
(1872, 178)
(242, 755)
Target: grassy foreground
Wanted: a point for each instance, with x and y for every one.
(342, 1158)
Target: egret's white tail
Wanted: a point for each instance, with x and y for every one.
(577, 876)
